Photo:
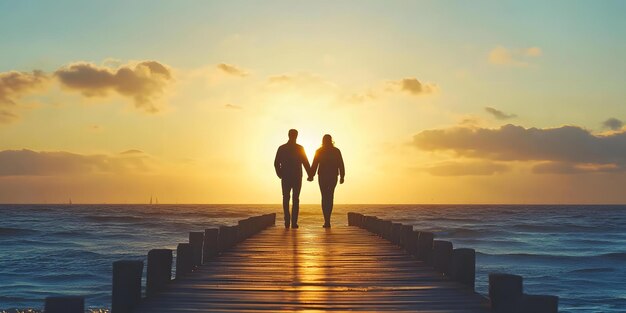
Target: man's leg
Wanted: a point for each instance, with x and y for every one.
(286, 191)
(297, 186)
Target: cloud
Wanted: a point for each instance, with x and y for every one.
(13, 86)
(414, 87)
(144, 82)
(316, 89)
(298, 79)
(132, 151)
(280, 79)
(613, 124)
(510, 57)
(7, 117)
(302, 82)
(31, 163)
(233, 107)
(566, 145)
(573, 168)
(469, 168)
(232, 70)
(470, 121)
(499, 114)
(359, 98)
(533, 52)
(314, 86)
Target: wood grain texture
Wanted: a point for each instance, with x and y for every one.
(314, 269)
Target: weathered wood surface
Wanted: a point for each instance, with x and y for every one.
(314, 269)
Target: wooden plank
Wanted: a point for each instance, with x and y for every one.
(314, 269)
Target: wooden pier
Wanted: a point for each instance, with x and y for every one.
(315, 269)
(369, 265)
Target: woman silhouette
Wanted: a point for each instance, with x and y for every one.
(330, 163)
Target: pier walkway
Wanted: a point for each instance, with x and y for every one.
(313, 269)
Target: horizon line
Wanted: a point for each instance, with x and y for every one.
(280, 204)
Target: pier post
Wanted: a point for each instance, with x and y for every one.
(195, 240)
(367, 222)
(539, 304)
(184, 259)
(371, 220)
(159, 272)
(405, 235)
(65, 304)
(505, 292)
(387, 229)
(360, 220)
(260, 223)
(463, 266)
(412, 244)
(351, 219)
(442, 255)
(255, 225)
(228, 236)
(236, 230)
(396, 228)
(210, 247)
(126, 287)
(376, 227)
(244, 229)
(224, 238)
(424, 246)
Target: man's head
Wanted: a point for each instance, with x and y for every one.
(293, 135)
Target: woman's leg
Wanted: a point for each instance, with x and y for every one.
(327, 188)
(331, 196)
(323, 191)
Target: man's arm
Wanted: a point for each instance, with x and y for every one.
(342, 168)
(277, 163)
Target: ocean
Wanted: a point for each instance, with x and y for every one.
(576, 252)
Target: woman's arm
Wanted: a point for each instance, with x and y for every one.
(342, 168)
(316, 162)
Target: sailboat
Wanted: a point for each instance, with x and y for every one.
(70, 203)
(157, 200)
(150, 200)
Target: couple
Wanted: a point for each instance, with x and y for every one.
(288, 163)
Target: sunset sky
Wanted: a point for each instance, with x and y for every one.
(429, 102)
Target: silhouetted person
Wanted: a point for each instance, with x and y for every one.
(330, 163)
(288, 163)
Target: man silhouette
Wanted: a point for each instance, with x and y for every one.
(288, 163)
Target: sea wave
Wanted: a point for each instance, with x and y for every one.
(594, 270)
(539, 228)
(64, 277)
(469, 232)
(114, 218)
(11, 231)
(554, 257)
(616, 255)
(74, 253)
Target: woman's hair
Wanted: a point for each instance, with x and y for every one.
(327, 141)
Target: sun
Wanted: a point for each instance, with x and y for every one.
(310, 142)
